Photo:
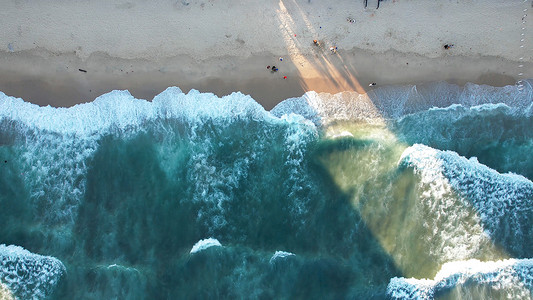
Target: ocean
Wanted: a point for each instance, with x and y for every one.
(406, 192)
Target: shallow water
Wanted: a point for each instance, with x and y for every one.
(193, 196)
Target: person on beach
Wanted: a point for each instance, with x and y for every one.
(333, 49)
(316, 43)
(372, 84)
(274, 69)
(448, 46)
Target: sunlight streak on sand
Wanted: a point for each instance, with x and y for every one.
(322, 65)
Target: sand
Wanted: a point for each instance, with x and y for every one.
(225, 46)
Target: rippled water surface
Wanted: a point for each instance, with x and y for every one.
(405, 192)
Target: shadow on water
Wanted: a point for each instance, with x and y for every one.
(144, 207)
(15, 212)
(500, 139)
(421, 224)
(138, 222)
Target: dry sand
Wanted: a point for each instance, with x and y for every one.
(224, 46)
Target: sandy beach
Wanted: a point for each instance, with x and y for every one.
(388, 155)
(66, 52)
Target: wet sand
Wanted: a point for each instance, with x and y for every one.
(57, 81)
(223, 47)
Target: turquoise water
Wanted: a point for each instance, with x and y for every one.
(192, 196)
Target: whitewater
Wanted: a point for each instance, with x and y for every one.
(405, 192)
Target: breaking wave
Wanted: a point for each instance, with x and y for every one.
(360, 191)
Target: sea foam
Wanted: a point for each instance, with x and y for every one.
(120, 110)
(502, 201)
(395, 102)
(280, 255)
(29, 275)
(514, 276)
(204, 244)
(45, 134)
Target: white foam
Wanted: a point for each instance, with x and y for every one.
(29, 275)
(513, 275)
(54, 171)
(394, 102)
(342, 135)
(280, 255)
(48, 132)
(502, 201)
(454, 233)
(120, 110)
(297, 137)
(204, 244)
(5, 293)
(324, 108)
(463, 111)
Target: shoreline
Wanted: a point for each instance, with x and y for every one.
(45, 78)
(224, 46)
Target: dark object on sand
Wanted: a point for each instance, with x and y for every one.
(274, 69)
(82, 70)
(373, 84)
(448, 46)
(366, 3)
